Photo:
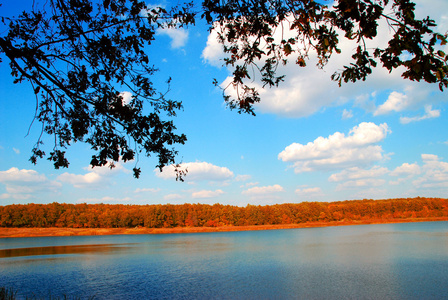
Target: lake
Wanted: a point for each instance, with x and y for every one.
(387, 261)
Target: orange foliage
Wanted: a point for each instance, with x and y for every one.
(200, 215)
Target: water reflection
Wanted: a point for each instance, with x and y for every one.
(71, 249)
(405, 261)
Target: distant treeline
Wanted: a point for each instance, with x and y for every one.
(197, 215)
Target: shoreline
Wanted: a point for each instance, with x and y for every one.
(56, 231)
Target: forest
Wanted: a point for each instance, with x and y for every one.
(204, 215)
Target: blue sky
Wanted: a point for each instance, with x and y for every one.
(310, 140)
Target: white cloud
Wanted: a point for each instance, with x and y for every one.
(179, 36)
(105, 199)
(146, 190)
(213, 53)
(16, 175)
(395, 102)
(248, 184)
(16, 196)
(309, 90)
(429, 114)
(366, 182)
(435, 173)
(299, 95)
(366, 101)
(358, 173)
(356, 177)
(429, 157)
(338, 150)
(347, 114)
(263, 190)
(406, 169)
(398, 181)
(311, 192)
(197, 171)
(90, 179)
(264, 194)
(126, 97)
(206, 194)
(107, 170)
(242, 177)
(16, 151)
(94, 179)
(172, 197)
(25, 184)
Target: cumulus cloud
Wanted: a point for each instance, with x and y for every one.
(356, 177)
(265, 194)
(25, 184)
(179, 36)
(395, 102)
(206, 194)
(213, 52)
(16, 196)
(105, 199)
(428, 158)
(356, 173)
(107, 170)
(367, 182)
(263, 190)
(306, 91)
(398, 181)
(309, 192)
(248, 184)
(435, 173)
(90, 179)
(298, 96)
(197, 171)
(242, 177)
(429, 114)
(94, 179)
(406, 169)
(146, 190)
(338, 150)
(172, 197)
(16, 175)
(431, 176)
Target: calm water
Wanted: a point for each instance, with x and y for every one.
(393, 261)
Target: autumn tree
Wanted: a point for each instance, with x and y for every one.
(198, 215)
(80, 55)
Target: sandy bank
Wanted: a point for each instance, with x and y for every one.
(35, 232)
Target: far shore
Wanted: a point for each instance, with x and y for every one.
(55, 231)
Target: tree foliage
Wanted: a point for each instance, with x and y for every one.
(203, 215)
(81, 55)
